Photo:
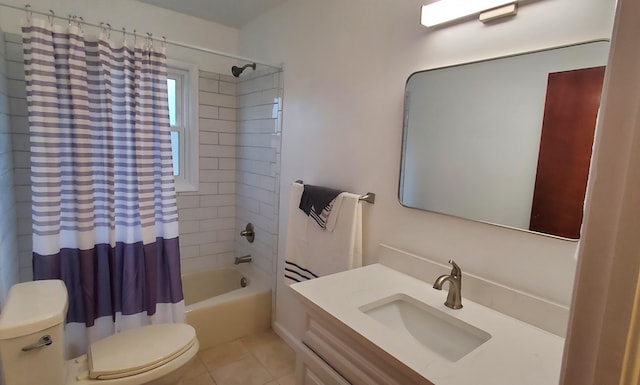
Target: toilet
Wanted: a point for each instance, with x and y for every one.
(32, 345)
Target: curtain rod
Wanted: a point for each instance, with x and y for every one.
(76, 19)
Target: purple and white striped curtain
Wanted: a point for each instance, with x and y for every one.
(104, 208)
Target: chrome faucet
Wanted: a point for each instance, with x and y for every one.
(244, 259)
(454, 298)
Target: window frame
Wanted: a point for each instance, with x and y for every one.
(186, 75)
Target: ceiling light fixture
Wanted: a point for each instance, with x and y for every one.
(444, 11)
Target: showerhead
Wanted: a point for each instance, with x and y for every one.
(236, 71)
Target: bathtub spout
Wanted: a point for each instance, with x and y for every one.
(244, 259)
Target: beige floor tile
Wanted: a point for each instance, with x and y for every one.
(287, 380)
(203, 379)
(276, 356)
(223, 354)
(195, 369)
(247, 371)
(259, 339)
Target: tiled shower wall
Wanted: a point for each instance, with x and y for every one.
(21, 155)
(239, 149)
(258, 162)
(9, 272)
(207, 216)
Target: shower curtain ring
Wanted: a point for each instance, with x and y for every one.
(109, 31)
(124, 34)
(149, 40)
(164, 41)
(50, 17)
(135, 38)
(27, 9)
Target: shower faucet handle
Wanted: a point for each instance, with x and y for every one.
(248, 233)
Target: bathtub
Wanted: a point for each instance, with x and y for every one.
(221, 309)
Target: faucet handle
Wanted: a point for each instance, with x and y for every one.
(455, 271)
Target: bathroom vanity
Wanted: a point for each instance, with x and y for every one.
(376, 325)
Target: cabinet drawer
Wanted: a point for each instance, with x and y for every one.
(312, 370)
(356, 360)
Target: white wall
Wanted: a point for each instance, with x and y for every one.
(346, 63)
(143, 18)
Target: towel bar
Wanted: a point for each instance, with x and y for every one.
(368, 197)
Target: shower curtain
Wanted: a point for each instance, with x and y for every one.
(104, 214)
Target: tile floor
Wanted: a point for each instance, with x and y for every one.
(259, 359)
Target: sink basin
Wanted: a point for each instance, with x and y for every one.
(435, 330)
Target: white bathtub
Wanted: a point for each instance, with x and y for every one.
(220, 309)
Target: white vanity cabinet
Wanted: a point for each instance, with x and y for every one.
(334, 354)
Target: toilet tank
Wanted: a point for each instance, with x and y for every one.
(33, 311)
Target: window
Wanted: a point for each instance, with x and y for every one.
(182, 89)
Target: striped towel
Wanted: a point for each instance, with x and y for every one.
(317, 202)
(312, 251)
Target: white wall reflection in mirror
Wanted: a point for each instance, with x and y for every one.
(472, 134)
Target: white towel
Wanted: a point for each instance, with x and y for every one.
(312, 251)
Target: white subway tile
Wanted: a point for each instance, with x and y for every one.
(209, 112)
(18, 106)
(19, 124)
(226, 235)
(215, 99)
(20, 142)
(25, 243)
(228, 78)
(197, 214)
(209, 75)
(228, 114)
(264, 111)
(26, 274)
(227, 88)
(217, 224)
(257, 153)
(22, 177)
(208, 85)
(17, 89)
(217, 248)
(217, 151)
(266, 125)
(15, 70)
(189, 251)
(217, 200)
(209, 137)
(227, 164)
(23, 194)
(188, 227)
(200, 238)
(14, 51)
(226, 212)
(208, 188)
(216, 125)
(217, 176)
(209, 163)
(227, 188)
(187, 201)
(22, 160)
(227, 139)
(225, 259)
(263, 168)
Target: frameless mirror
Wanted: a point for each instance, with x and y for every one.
(505, 141)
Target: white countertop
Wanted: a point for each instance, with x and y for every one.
(516, 354)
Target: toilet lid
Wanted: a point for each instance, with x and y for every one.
(138, 350)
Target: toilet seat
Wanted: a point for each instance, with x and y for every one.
(138, 350)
